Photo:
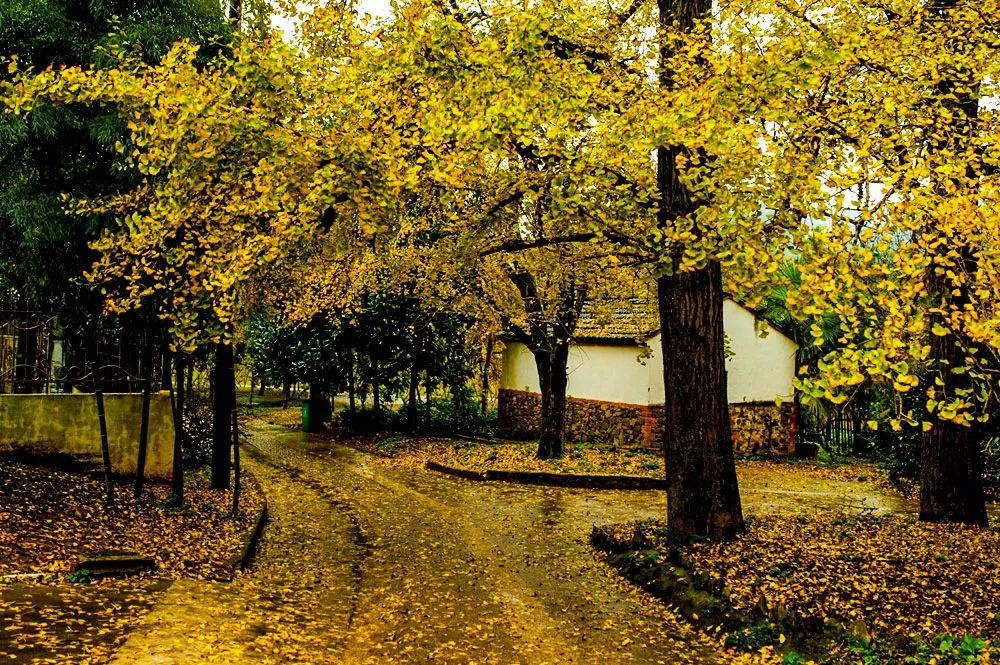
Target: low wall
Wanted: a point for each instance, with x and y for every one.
(763, 428)
(759, 428)
(589, 420)
(68, 423)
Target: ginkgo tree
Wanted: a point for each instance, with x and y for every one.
(904, 253)
(249, 157)
(755, 116)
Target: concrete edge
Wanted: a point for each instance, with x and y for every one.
(468, 474)
(579, 480)
(242, 558)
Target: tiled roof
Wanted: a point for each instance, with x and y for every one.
(630, 319)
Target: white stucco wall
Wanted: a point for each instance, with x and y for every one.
(608, 372)
(760, 370)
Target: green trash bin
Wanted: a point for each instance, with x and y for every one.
(306, 422)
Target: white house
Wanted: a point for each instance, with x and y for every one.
(615, 390)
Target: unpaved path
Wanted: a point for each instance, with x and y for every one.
(367, 564)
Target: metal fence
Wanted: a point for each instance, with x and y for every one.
(34, 358)
(837, 430)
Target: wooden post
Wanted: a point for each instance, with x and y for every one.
(140, 466)
(177, 473)
(105, 449)
(236, 463)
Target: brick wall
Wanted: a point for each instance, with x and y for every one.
(761, 428)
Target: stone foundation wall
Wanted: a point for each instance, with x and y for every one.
(587, 420)
(762, 428)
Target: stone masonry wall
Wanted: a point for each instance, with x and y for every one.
(762, 428)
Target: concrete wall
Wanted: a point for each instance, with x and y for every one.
(68, 423)
(761, 369)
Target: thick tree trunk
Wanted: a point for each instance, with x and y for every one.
(376, 397)
(552, 378)
(951, 463)
(319, 407)
(223, 398)
(951, 471)
(702, 493)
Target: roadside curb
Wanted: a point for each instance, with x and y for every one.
(242, 559)
(553, 479)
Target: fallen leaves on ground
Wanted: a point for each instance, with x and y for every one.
(894, 580)
(51, 516)
(52, 513)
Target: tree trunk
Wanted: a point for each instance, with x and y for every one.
(485, 387)
(376, 398)
(411, 398)
(165, 382)
(951, 471)
(552, 378)
(702, 493)
(140, 464)
(951, 463)
(319, 408)
(428, 392)
(350, 385)
(223, 398)
(105, 448)
(177, 473)
(237, 479)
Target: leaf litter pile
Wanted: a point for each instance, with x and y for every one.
(52, 514)
(891, 587)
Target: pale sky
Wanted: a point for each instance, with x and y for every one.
(374, 8)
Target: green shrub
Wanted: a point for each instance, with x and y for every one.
(754, 638)
(950, 649)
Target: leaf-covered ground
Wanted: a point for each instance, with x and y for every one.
(372, 564)
(892, 580)
(52, 513)
(407, 451)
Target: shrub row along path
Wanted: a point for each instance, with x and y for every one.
(363, 563)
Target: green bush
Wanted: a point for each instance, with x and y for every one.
(365, 420)
(196, 447)
(754, 638)
(461, 414)
(950, 649)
